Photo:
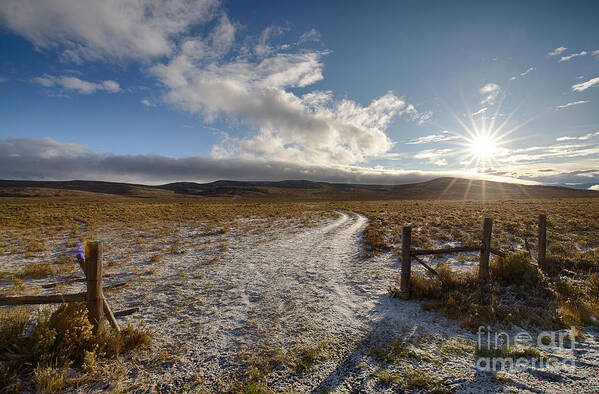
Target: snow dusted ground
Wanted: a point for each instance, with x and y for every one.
(241, 296)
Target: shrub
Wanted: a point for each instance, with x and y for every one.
(60, 340)
(49, 379)
(515, 269)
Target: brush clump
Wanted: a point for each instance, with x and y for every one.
(62, 339)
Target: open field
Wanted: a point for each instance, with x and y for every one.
(253, 295)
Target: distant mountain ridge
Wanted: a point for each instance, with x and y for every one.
(440, 188)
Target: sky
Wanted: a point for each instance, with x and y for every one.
(368, 92)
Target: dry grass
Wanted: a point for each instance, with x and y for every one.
(544, 300)
(150, 224)
(519, 293)
(60, 340)
(410, 379)
(570, 223)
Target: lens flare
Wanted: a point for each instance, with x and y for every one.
(483, 147)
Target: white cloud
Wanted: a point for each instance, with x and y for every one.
(444, 136)
(108, 29)
(23, 158)
(581, 138)
(522, 74)
(311, 35)
(2, 79)
(205, 71)
(73, 83)
(572, 104)
(313, 128)
(579, 87)
(596, 53)
(147, 103)
(566, 58)
(542, 154)
(557, 51)
(528, 71)
(45, 148)
(479, 112)
(433, 156)
(263, 46)
(594, 187)
(491, 92)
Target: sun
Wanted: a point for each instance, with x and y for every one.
(483, 138)
(482, 147)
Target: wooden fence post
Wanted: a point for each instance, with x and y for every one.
(483, 268)
(93, 273)
(406, 262)
(542, 242)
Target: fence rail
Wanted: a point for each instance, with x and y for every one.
(408, 254)
(97, 306)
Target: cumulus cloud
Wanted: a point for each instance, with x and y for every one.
(579, 87)
(444, 136)
(47, 159)
(557, 51)
(596, 53)
(147, 103)
(572, 104)
(594, 187)
(110, 29)
(204, 71)
(76, 84)
(491, 92)
(312, 128)
(572, 56)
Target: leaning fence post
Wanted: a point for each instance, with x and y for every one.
(406, 262)
(483, 269)
(542, 242)
(93, 272)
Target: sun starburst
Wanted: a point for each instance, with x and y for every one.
(483, 140)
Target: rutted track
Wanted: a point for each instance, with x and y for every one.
(296, 289)
(283, 290)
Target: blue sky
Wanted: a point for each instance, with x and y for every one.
(390, 92)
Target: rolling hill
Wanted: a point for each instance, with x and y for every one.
(440, 188)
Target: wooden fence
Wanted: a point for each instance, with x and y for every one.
(408, 254)
(98, 307)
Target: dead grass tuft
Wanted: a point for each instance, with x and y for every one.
(36, 271)
(61, 339)
(458, 294)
